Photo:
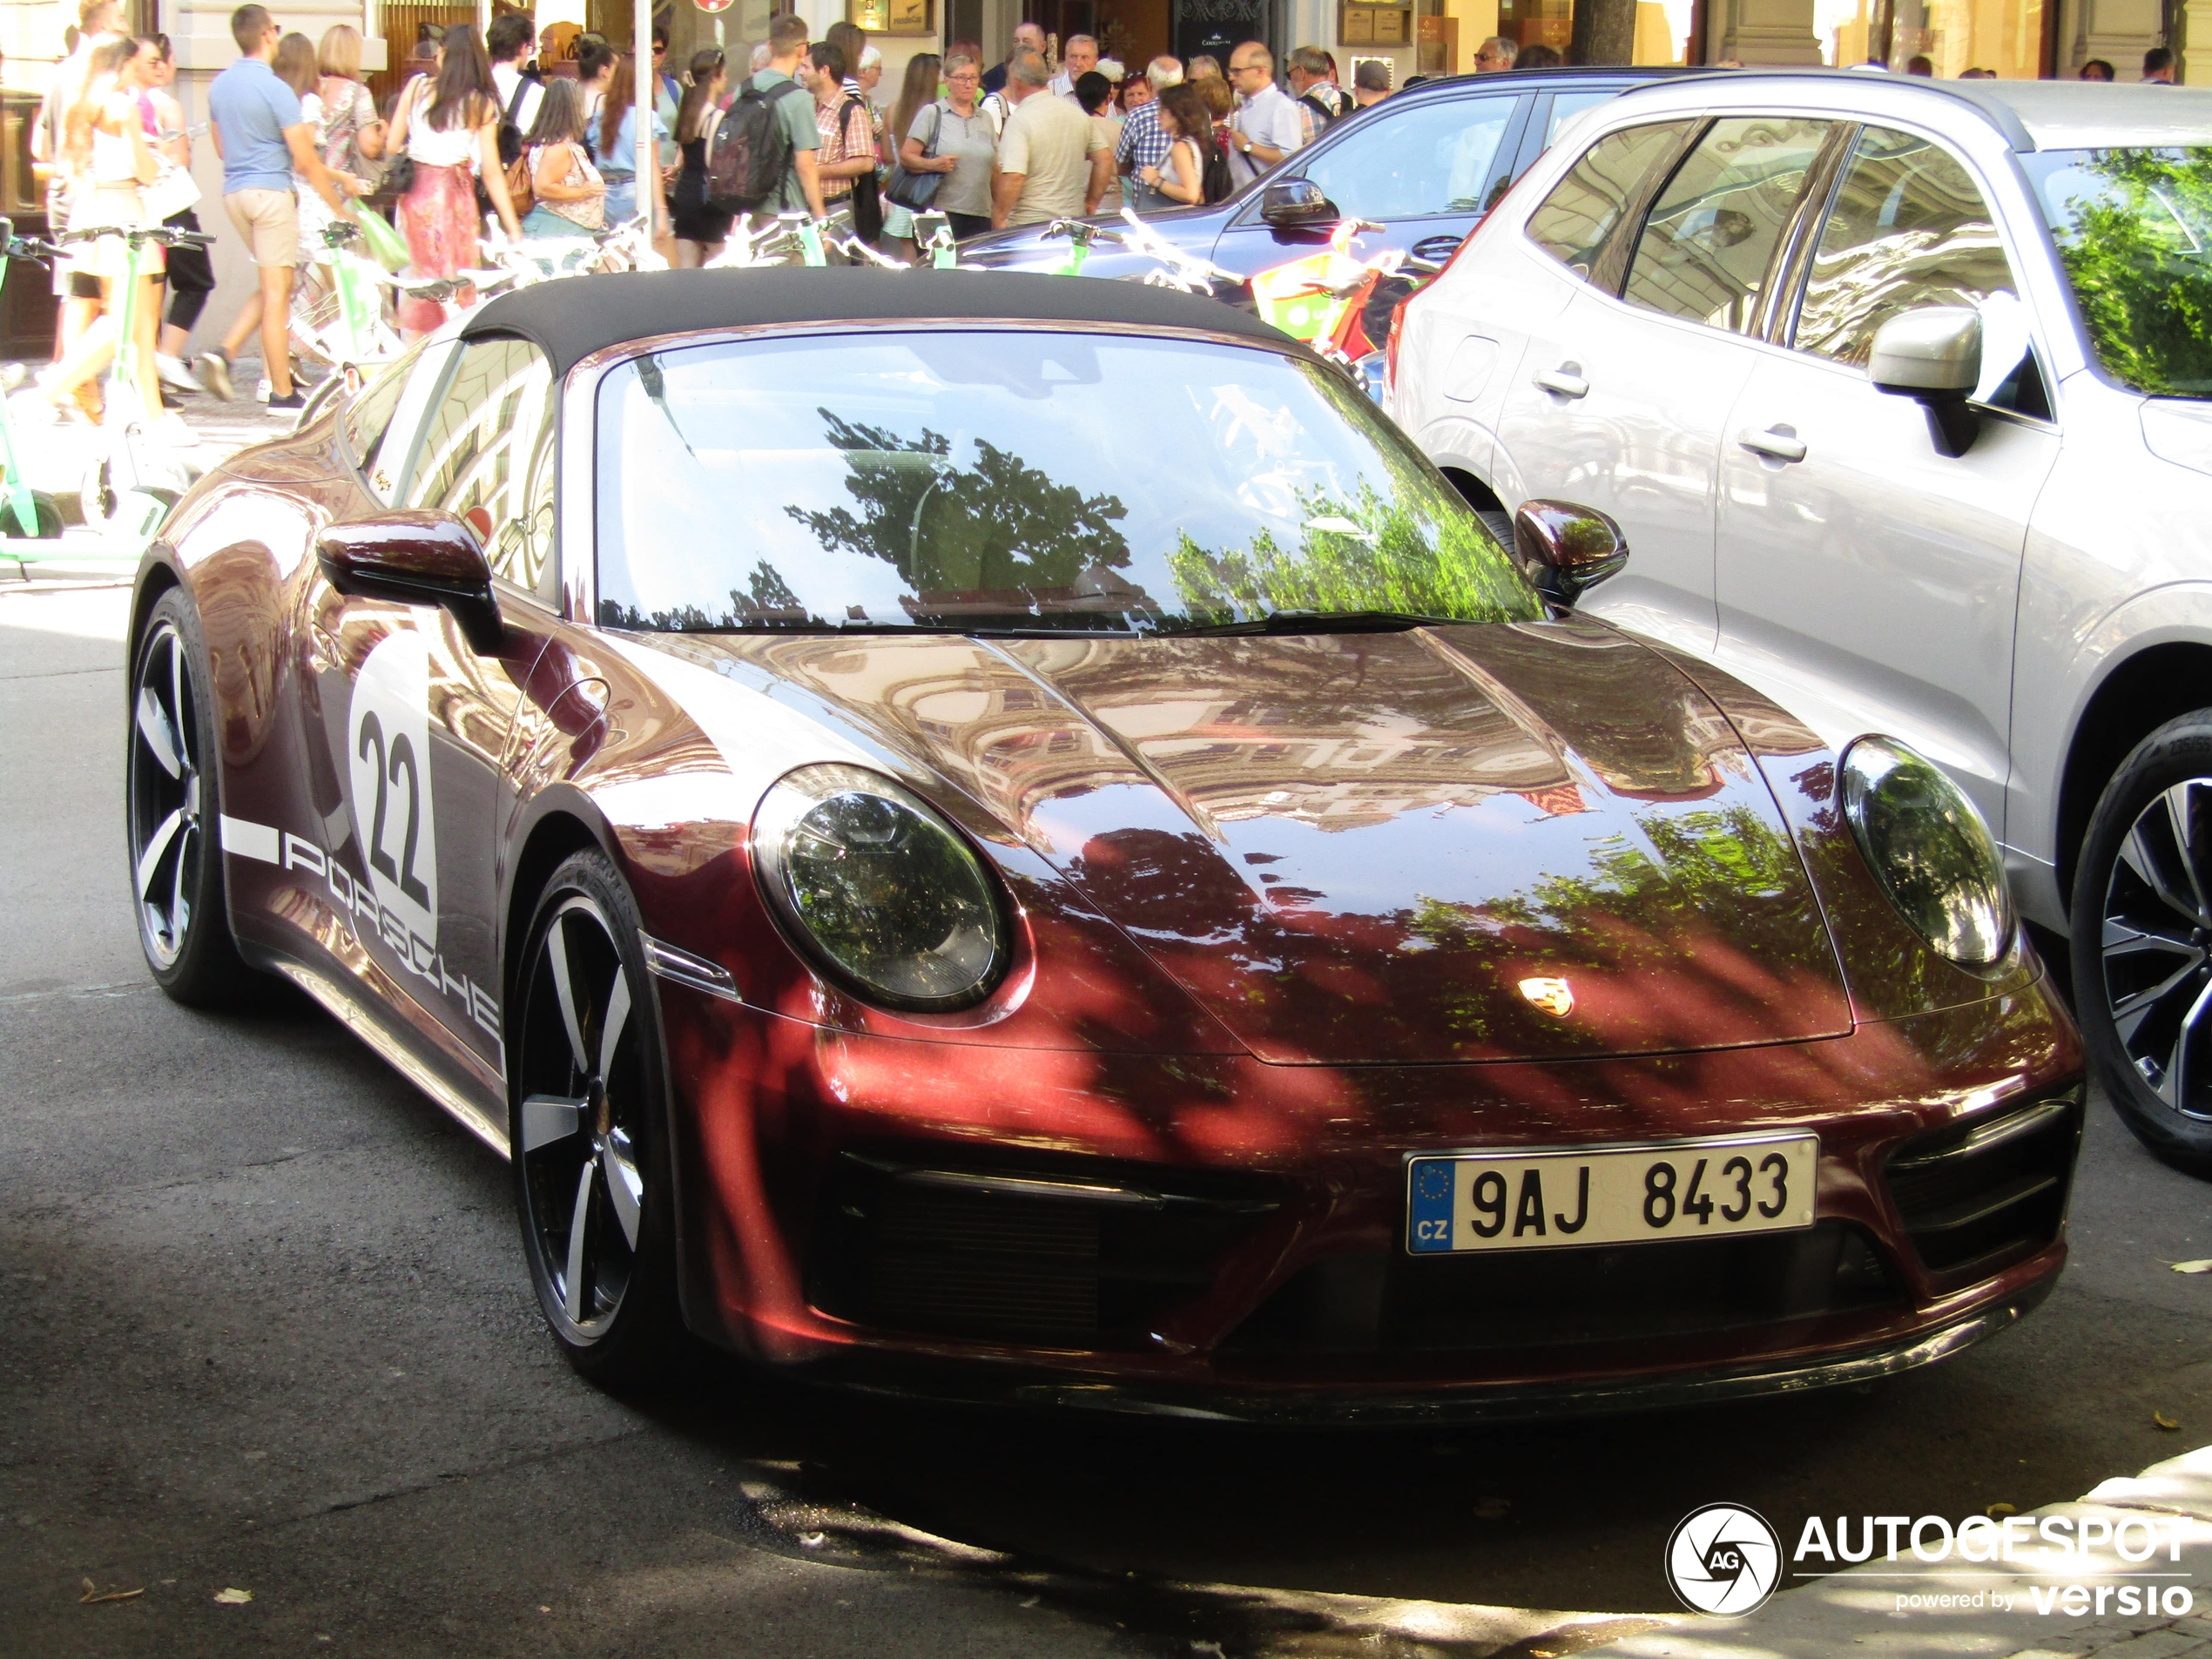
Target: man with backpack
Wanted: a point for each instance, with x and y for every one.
(1312, 75)
(762, 158)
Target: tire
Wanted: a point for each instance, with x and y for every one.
(2141, 941)
(587, 1124)
(43, 509)
(173, 800)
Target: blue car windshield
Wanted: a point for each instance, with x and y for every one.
(973, 480)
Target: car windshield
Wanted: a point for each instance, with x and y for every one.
(2135, 233)
(977, 481)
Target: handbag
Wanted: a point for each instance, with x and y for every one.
(171, 191)
(913, 191)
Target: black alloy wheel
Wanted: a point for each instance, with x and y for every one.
(2142, 941)
(589, 1128)
(171, 791)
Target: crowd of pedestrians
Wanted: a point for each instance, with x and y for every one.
(479, 133)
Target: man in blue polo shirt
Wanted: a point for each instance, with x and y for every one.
(263, 140)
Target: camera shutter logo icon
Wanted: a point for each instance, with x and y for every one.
(1724, 1560)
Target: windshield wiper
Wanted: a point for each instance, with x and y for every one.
(1315, 622)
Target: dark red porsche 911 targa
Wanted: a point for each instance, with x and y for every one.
(1010, 836)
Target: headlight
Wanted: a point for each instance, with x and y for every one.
(891, 898)
(1927, 845)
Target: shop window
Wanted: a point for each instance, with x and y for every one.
(1435, 158)
(1909, 228)
(1705, 250)
(1573, 223)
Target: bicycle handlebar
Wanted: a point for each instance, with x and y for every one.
(163, 235)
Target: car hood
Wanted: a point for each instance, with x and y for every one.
(1481, 842)
(1026, 247)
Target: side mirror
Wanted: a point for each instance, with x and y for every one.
(415, 558)
(1565, 548)
(1932, 355)
(1289, 202)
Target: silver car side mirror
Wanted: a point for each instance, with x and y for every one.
(1566, 548)
(1932, 355)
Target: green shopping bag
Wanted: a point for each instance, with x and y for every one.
(385, 245)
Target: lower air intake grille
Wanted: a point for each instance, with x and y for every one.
(1021, 1255)
(1548, 1299)
(1974, 1195)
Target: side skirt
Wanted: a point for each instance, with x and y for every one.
(364, 1025)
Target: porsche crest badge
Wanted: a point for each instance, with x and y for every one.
(1555, 996)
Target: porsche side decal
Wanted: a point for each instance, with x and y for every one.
(387, 748)
(357, 902)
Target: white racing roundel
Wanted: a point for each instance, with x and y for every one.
(1724, 1560)
(387, 746)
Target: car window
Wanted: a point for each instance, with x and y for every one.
(414, 381)
(487, 457)
(931, 479)
(369, 415)
(1436, 158)
(1908, 228)
(1567, 106)
(1704, 249)
(1573, 223)
(2134, 228)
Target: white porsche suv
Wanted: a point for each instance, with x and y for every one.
(1902, 391)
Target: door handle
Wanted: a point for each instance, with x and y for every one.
(1777, 443)
(1437, 249)
(1566, 380)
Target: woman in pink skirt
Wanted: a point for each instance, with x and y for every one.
(447, 124)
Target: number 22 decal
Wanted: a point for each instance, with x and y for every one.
(402, 761)
(388, 765)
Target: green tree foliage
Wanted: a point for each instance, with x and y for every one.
(999, 526)
(1364, 554)
(2137, 256)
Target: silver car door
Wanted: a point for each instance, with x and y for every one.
(1626, 416)
(1867, 581)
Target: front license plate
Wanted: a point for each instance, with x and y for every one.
(1610, 1195)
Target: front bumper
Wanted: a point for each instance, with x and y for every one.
(1469, 1404)
(1270, 1282)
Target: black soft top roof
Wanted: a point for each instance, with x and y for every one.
(575, 316)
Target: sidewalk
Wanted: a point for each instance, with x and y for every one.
(1855, 1612)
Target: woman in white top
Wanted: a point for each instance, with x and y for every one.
(1188, 125)
(447, 125)
(104, 145)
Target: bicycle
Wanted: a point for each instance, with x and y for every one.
(350, 378)
(346, 325)
(25, 513)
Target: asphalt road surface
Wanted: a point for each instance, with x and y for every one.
(266, 1328)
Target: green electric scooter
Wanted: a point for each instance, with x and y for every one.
(131, 488)
(25, 513)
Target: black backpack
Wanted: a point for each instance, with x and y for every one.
(1214, 182)
(750, 151)
(510, 131)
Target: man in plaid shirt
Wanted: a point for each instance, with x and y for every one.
(1142, 143)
